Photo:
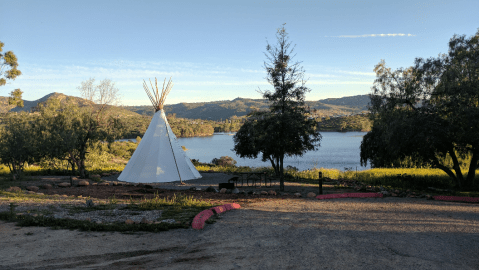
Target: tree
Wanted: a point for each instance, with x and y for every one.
(8, 61)
(67, 131)
(16, 98)
(18, 143)
(284, 129)
(429, 112)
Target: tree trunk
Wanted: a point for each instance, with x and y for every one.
(448, 172)
(456, 166)
(281, 178)
(472, 171)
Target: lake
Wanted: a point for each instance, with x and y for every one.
(339, 150)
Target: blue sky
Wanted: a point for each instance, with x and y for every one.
(214, 50)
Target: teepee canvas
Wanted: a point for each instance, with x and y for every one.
(159, 157)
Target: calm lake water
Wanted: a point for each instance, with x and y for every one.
(339, 150)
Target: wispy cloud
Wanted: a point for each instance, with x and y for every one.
(374, 35)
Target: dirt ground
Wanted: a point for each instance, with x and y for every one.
(269, 233)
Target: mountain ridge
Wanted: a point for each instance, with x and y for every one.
(214, 110)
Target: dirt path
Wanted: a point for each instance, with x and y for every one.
(387, 233)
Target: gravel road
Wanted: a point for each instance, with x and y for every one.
(352, 233)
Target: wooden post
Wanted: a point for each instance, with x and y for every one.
(320, 180)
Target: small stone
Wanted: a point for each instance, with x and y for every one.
(64, 184)
(211, 189)
(83, 183)
(89, 203)
(394, 195)
(310, 195)
(297, 194)
(93, 176)
(47, 186)
(272, 192)
(13, 189)
(235, 191)
(30, 192)
(223, 190)
(264, 192)
(104, 184)
(32, 188)
(94, 184)
(64, 195)
(129, 221)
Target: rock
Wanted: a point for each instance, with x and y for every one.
(94, 184)
(403, 194)
(297, 194)
(235, 191)
(13, 189)
(310, 195)
(385, 193)
(129, 221)
(39, 193)
(223, 190)
(64, 184)
(95, 176)
(105, 174)
(394, 194)
(272, 192)
(211, 189)
(83, 183)
(229, 191)
(193, 188)
(382, 188)
(429, 197)
(264, 192)
(104, 184)
(87, 219)
(89, 203)
(47, 186)
(144, 221)
(30, 192)
(32, 188)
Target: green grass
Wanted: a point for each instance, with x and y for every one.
(181, 208)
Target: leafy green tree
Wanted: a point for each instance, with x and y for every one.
(429, 112)
(8, 66)
(286, 125)
(68, 131)
(16, 98)
(18, 143)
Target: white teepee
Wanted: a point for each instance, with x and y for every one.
(159, 157)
